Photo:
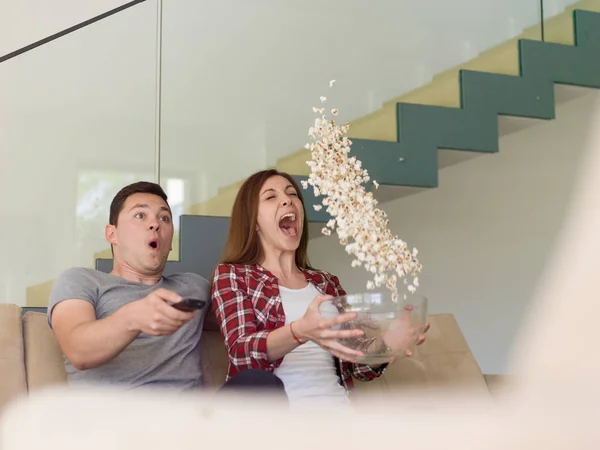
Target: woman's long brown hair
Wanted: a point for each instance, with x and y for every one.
(243, 244)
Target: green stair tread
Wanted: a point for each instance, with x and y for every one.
(423, 129)
(586, 28)
(447, 128)
(562, 64)
(485, 91)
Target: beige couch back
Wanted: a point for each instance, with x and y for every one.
(30, 358)
(12, 353)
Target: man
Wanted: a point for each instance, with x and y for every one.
(122, 328)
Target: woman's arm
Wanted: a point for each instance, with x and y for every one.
(247, 345)
(280, 342)
(250, 347)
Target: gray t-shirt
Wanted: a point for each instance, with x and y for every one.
(171, 361)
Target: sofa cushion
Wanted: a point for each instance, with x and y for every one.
(43, 357)
(12, 366)
(45, 362)
(214, 359)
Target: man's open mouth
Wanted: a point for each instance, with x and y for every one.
(289, 225)
(154, 244)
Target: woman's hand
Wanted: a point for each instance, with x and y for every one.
(402, 334)
(314, 327)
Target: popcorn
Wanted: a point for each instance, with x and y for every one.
(361, 227)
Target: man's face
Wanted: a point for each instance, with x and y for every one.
(143, 236)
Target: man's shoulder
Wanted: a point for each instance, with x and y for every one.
(79, 283)
(81, 275)
(187, 278)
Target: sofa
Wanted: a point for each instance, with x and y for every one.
(31, 360)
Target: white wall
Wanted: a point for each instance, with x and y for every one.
(485, 233)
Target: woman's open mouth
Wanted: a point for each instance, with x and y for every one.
(289, 225)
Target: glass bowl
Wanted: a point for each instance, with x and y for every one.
(390, 326)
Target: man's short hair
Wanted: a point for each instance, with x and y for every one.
(140, 187)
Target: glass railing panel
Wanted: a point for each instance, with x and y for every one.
(240, 78)
(77, 124)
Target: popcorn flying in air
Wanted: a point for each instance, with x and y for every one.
(361, 227)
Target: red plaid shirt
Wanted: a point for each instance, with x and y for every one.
(248, 307)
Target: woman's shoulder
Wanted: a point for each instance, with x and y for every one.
(322, 274)
(227, 275)
(241, 275)
(325, 281)
(238, 269)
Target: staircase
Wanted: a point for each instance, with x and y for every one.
(460, 115)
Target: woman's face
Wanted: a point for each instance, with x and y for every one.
(280, 215)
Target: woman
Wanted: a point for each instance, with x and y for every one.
(267, 298)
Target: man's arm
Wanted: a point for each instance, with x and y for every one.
(85, 341)
(88, 342)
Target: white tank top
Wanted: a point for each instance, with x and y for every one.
(308, 372)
